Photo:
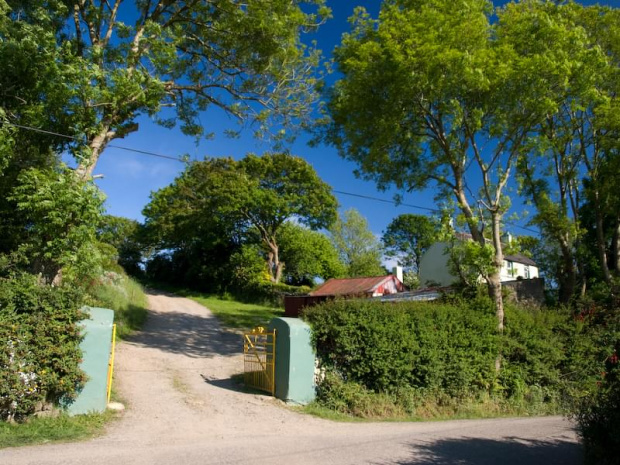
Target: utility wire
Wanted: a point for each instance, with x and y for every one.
(120, 147)
(170, 157)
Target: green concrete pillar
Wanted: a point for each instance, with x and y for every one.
(294, 371)
(96, 347)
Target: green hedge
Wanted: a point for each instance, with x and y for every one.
(39, 348)
(596, 391)
(444, 350)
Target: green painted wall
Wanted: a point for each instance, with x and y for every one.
(96, 348)
(294, 370)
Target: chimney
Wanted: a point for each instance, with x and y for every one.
(398, 272)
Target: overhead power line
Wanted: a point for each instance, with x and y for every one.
(120, 147)
(173, 158)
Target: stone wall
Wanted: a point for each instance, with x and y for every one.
(530, 291)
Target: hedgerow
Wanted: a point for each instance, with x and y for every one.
(39, 348)
(445, 352)
(595, 394)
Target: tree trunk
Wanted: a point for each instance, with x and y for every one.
(600, 239)
(568, 275)
(276, 267)
(495, 283)
(96, 146)
(494, 280)
(615, 249)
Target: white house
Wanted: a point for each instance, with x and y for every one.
(434, 267)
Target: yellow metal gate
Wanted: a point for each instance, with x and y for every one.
(259, 352)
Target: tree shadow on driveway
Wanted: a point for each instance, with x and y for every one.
(195, 336)
(507, 451)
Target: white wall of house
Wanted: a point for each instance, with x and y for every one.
(434, 268)
(513, 270)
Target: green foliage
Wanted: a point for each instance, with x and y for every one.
(61, 215)
(125, 296)
(222, 203)
(124, 235)
(578, 47)
(40, 352)
(469, 260)
(233, 313)
(351, 398)
(408, 237)
(440, 93)
(595, 396)
(248, 267)
(357, 246)
(247, 60)
(268, 293)
(45, 430)
(441, 355)
(428, 346)
(307, 255)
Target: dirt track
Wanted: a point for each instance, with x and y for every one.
(182, 408)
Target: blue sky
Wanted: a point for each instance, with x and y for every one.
(129, 178)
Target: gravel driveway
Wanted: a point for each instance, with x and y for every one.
(182, 408)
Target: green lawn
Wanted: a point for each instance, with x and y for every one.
(44, 430)
(234, 314)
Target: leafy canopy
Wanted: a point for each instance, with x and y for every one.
(407, 237)
(357, 246)
(171, 60)
(240, 200)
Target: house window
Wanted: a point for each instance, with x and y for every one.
(511, 268)
(527, 272)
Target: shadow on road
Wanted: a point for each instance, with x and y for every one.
(184, 333)
(234, 383)
(508, 451)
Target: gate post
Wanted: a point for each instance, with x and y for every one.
(294, 374)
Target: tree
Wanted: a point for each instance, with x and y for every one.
(123, 234)
(130, 58)
(32, 92)
(432, 94)
(567, 142)
(308, 254)
(357, 246)
(62, 213)
(232, 200)
(407, 237)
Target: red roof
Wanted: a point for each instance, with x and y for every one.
(354, 286)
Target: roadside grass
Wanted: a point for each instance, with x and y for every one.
(59, 429)
(126, 297)
(381, 407)
(232, 313)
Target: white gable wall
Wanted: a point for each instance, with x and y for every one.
(434, 268)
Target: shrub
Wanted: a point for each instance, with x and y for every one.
(596, 395)
(39, 353)
(439, 353)
(352, 398)
(423, 345)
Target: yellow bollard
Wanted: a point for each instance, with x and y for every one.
(111, 362)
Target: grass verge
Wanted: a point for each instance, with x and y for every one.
(232, 313)
(127, 298)
(362, 405)
(46, 430)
